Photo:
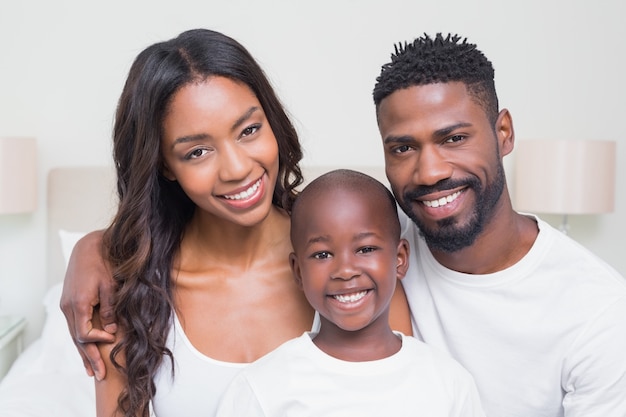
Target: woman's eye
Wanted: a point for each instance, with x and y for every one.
(250, 130)
(196, 153)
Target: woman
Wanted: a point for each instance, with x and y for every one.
(207, 165)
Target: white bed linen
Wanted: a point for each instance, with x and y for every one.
(48, 378)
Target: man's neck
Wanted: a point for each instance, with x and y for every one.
(504, 242)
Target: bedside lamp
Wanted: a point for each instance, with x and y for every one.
(565, 177)
(18, 175)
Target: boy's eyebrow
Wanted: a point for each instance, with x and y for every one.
(317, 239)
(363, 235)
(326, 238)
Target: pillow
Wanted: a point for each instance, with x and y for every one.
(68, 240)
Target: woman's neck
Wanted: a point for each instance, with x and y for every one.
(209, 239)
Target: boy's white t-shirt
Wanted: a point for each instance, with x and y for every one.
(298, 379)
(545, 337)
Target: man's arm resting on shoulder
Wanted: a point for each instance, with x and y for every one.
(88, 290)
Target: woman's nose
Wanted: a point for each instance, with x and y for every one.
(234, 163)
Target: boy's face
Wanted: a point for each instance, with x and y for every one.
(346, 258)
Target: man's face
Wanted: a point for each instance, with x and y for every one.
(442, 158)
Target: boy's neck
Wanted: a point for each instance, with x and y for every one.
(363, 345)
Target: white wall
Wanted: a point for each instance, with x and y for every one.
(559, 69)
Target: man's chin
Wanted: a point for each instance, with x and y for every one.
(448, 236)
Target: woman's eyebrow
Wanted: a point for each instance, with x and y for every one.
(245, 117)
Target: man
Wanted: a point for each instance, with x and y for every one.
(538, 320)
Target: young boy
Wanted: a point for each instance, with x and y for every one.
(347, 258)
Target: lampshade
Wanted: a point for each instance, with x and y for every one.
(18, 175)
(565, 176)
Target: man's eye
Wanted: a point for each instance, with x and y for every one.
(401, 149)
(455, 138)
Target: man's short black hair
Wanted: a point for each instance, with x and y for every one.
(439, 60)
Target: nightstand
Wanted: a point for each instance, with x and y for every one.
(11, 342)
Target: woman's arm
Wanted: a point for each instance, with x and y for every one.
(399, 313)
(88, 291)
(108, 390)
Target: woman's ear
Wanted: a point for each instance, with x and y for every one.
(403, 258)
(295, 268)
(165, 171)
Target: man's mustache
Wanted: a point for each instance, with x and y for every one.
(443, 185)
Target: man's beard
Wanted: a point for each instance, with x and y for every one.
(448, 236)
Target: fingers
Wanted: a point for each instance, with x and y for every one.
(106, 311)
(88, 284)
(85, 336)
(92, 360)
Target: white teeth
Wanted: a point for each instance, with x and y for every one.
(244, 194)
(350, 298)
(442, 201)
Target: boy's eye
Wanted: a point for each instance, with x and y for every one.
(367, 249)
(321, 255)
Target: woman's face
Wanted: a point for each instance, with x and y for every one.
(219, 146)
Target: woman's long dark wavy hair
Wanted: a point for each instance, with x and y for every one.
(153, 211)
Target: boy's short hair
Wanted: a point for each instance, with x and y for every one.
(353, 181)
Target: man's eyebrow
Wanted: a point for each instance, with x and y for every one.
(442, 132)
(445, 131)
(398, 139)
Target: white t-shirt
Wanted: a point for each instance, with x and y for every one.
(199, 380)
(543, 338)
(298, 379)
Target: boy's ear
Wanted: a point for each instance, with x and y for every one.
(402, 258)
(295, 268)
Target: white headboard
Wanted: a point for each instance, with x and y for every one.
(82, 199)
